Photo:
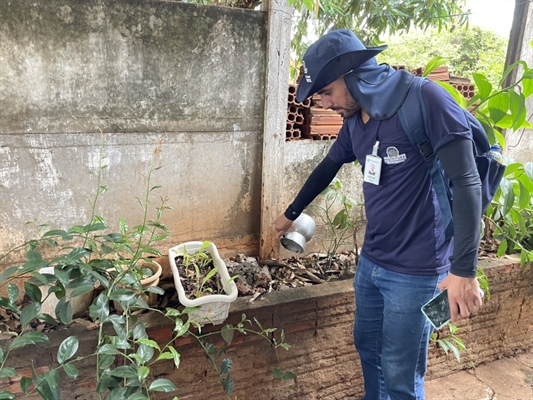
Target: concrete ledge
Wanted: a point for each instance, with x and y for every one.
(318, 324)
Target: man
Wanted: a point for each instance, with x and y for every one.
(405, 259)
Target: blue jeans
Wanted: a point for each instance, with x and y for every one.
(390, 332)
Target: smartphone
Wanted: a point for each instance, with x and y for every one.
(437, 310)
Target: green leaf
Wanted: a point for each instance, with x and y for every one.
(142, 373)
(123, 226)
(509, 202)
(13, 292)
(155, 289)
(107, 349)
(28, 313)
(64, 311)
(67, 349)
(25, 383)
(5, 395)
(47, 318)
(125, 371)
(122, 295)
(28, 338)
(8, 272)
(228, 385)
(434, 63)
(498, 106)
(82, 289)
(527, 84)
(33, 291)
(167, 355)
(177, 356)
(58, 232)
(484, 87)
(140, 396)
(145, 353)
(7, 304)
(226, 366)
(162, 385)
(71, 370)
(518, 109)
(502, 248)
(525, 196)
(149, 342)
(8, 372)
(227, 333)
(105, 360)
(100, 308)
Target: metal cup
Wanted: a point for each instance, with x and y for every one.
(302, 230)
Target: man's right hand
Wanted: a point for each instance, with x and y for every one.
(282, 225)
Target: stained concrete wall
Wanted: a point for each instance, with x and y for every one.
(301, 157)
(139, 71)
(519, 144)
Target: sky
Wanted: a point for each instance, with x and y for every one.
(496, 15)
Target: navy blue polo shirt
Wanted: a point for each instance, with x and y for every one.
(404, 232)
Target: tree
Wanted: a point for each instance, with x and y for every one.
(469, 51)
(370, 19)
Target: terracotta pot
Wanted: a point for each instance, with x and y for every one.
(152, 298)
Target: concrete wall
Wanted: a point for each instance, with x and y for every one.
(301, 157)
(519, 144)
(138, 71)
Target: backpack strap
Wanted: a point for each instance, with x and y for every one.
(413, 118)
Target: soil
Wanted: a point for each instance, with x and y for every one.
(254, 278)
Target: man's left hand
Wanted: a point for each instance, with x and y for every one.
(464, 295)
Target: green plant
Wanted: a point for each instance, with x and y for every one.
(337, 215)
(450, 342)
(199, 270)
(509, 217)
(89, 256)
(224, 367)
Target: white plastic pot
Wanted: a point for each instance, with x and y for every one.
(214, 308)
(78, 303)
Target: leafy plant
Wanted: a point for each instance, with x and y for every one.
(223, 368)
(337, 215)
(199, 270)
(450, 342)
(91, 256)
(509, 217)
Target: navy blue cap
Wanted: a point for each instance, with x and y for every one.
(330, 57)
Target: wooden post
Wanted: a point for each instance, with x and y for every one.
(276, 92)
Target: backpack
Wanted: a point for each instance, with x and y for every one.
(415, 126)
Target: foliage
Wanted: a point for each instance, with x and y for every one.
(368, 19)
(88, 257)
(340, 225)
(468, 50)
(199, 270)
(509, 217)
(450, 342)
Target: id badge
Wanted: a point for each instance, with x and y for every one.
(372, 169)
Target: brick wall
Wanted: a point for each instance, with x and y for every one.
(318, 322)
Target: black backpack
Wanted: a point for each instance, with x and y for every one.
(415, 126)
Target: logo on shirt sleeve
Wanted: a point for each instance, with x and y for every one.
(394, 156)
